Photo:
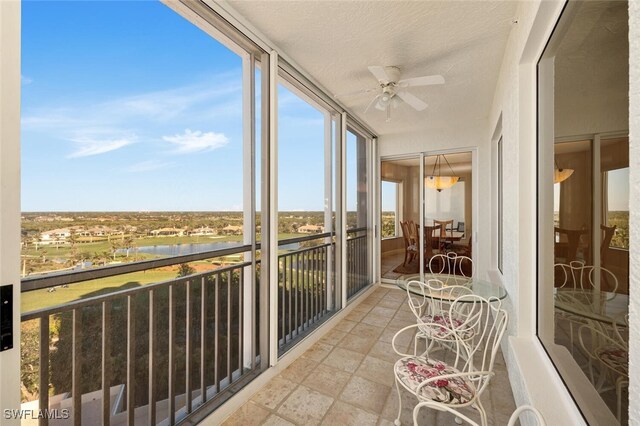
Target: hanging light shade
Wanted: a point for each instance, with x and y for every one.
(440, 182)
(436, 180)
(560, 175)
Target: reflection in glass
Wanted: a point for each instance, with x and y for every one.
(584, 310)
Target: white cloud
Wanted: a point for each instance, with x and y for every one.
(96, 126)
(148, 166)
(87, 147)
(24, 80)
(190, 142)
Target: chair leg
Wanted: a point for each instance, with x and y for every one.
(619, 383)
(483, 413)
(397, 420)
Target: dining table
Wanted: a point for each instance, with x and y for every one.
(486, 289)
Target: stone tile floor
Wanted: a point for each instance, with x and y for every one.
(347, 377)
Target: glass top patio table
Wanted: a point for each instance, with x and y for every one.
(478, 287)
(602, 306)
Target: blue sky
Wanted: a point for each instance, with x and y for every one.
(126, 106)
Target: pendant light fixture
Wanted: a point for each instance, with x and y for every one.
(436, 180)
(560, 175)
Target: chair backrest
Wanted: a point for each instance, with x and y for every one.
(569, 275)
(489, 322)
(406, 235)
(572, 237)
(526, 408)
(584, 277)
(608, 280)
(428, 239)
(463, 265)
(451, 264)
(417, 297)
(608, 232)
(439, 264)
(443, 229)
(515, 416)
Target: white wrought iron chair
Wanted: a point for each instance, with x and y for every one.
(583, 278)
(452, 264)
(512, 420)
(463, 266)
(430, 302)
(613, 356)
(437, 383)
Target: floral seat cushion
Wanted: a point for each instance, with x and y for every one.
(443, 329)
(411, 371)
(615, 358)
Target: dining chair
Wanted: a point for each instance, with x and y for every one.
(515, 416)
(612, 354)
(567, 243)
(463, 247)
(429, 240)
(438, 383)
(607, 236)
(430, 303)
(446, 225)
(410, 247)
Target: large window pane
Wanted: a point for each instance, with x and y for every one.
(305, 244)
(135, 149)
(583, 276)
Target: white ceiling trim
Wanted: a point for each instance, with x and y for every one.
(224, 9)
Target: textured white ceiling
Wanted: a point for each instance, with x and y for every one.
(335, 41)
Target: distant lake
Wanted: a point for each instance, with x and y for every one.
(183, 249)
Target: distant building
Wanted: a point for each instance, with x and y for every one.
(232, 230)
(205, 230)
(311, 229)
(55, 236)
(167, 232)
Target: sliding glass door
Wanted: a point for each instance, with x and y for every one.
(425, 209)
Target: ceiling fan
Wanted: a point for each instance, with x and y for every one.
(391, 89)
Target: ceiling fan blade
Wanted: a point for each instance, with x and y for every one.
(357, 92)
(374, 100)
(412, 100)
(379, 72)
(427, 80)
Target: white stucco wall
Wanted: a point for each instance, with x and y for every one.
(514, 107)
(634, 205)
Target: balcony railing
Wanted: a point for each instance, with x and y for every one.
(154, 352)
(304, 292)
(357, 261)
